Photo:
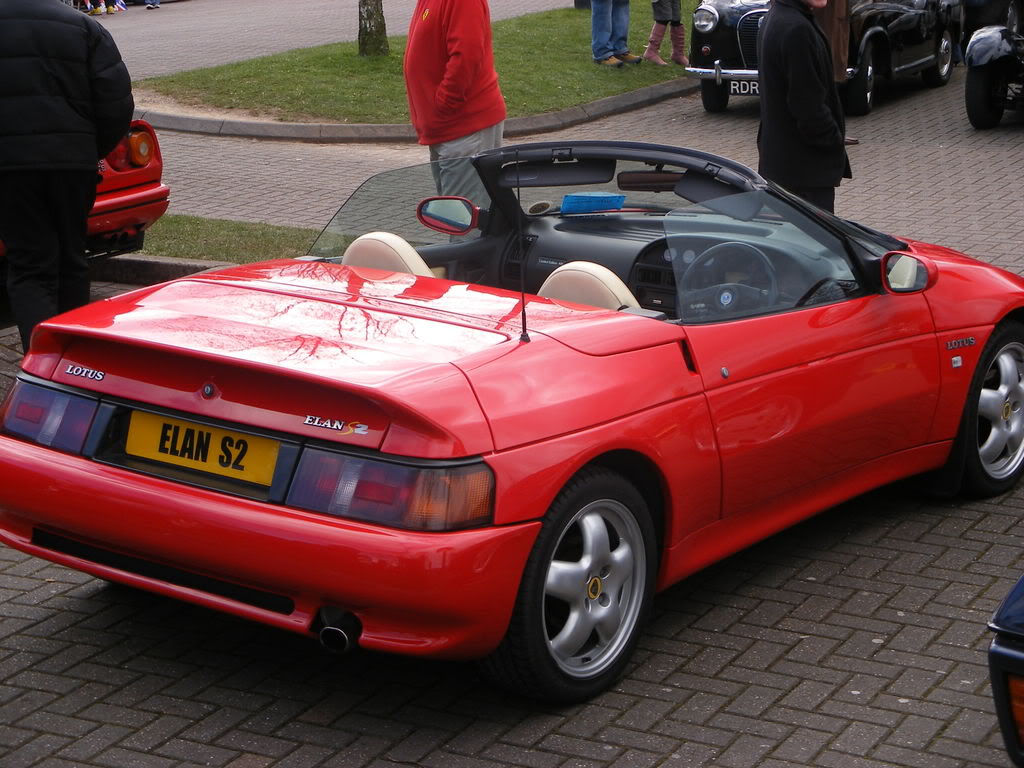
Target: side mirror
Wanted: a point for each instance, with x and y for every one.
(903, 273)
(449, 215)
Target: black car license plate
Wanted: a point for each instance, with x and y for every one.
(743, 88)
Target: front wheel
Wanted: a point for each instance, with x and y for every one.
(860, 89)
(985, 95)
(713, 96)
(585, 591)
(940, 72)
(992, 429)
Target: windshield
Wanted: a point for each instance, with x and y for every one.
(691, 239)
(387, 202)
(748, 253)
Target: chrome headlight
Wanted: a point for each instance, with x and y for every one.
(705, 19)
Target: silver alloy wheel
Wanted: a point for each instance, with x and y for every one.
(944, 61)
(1001, 413)
(594, 587)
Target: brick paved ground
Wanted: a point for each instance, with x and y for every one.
(855, 640)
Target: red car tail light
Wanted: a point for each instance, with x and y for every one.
(140, 148)
(49, 417)
(134, 150)
(399, 495)
(1016, 686)
(118, 157)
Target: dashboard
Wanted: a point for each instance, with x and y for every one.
(692, 266)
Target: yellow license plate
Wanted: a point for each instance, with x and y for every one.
(197, 446)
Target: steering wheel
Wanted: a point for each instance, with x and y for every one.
(730, 297)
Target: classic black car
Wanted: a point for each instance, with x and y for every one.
(1006, 670)
(895, 37)
(995, 75)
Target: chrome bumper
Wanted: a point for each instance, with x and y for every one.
(718, 74)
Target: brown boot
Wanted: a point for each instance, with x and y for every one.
(678, 36)
(651, 53)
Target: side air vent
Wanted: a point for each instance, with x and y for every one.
(649, 276)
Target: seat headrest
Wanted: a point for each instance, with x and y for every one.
(583, 282)
(383, 250)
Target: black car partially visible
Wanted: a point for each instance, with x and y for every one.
(887, 39)
(1006, 670)
(984, 13)
(995, 75)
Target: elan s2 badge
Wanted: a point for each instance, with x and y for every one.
(344, 427)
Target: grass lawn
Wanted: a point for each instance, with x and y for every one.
(543, 60)
(192, 237)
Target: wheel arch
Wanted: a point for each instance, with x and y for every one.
(881, 52)
(644, 475)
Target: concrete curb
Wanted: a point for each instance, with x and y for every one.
(144, 269)
(380, 133)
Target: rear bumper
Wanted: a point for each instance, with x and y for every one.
(118, 218)
(447, 595)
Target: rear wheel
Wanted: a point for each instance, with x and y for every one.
(985, 95)
(992, 429)
(940, 72)
(585, 591)
(860, 89)
(714, 96)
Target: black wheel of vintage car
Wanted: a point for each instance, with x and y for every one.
(992, 429)
(714, 96)
(860, 89)
(586, 589)
(940, 72)
(985, 95)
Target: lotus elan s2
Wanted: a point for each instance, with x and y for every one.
(492, 424)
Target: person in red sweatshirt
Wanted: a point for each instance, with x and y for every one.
(455, 103)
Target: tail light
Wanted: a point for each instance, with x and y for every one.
(399, 495)
(1016, 686)
(134, 150)
(48, 417)
(140, 147)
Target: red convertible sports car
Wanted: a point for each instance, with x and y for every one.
(129, 195)
(494, 427)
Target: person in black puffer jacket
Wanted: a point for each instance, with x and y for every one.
(65, 102)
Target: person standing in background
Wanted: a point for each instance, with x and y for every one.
(455, 104)
(667, 15)
(800, 138)
(834, 20)
(609, 33)
(65, 103)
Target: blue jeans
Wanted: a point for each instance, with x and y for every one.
(609, 27)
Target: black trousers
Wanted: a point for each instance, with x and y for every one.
(823, 197)
(43, 219)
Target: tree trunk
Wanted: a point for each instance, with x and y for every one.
(373, 34)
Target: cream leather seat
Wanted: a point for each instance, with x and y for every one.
(583, 282)
(383, 250)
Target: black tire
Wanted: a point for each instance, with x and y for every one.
(600, 532)
(713, 96)
(860, 89)
(939, 73)
(985, 95)
(991, 432)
